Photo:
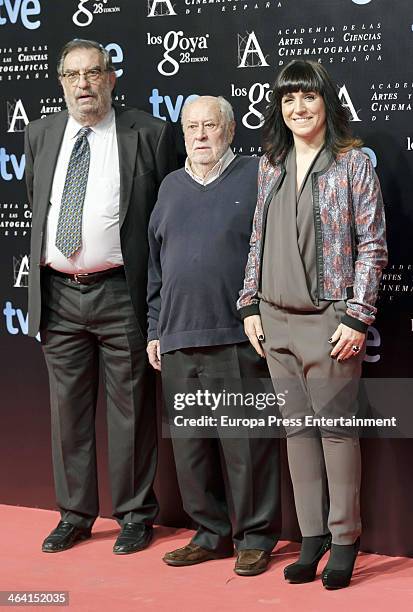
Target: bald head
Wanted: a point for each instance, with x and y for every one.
(208, 125)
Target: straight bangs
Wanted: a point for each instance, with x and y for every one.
(299, 76)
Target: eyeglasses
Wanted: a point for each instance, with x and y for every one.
(92, 76)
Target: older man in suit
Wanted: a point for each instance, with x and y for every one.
(92, 175)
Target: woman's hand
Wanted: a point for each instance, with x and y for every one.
(347, 341)
(253, 329)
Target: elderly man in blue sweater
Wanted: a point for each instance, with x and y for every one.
(199, 240)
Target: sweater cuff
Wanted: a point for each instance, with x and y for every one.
(354, 323)
(153, 335)
(247, 311)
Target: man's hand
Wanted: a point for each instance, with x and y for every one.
(349, 342)
(154, 354)
(253, 329)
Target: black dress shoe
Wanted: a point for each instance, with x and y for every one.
(64, 536)
(133, 537)
(340, 577)
(300, 572)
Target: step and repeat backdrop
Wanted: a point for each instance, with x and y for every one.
(166, 51)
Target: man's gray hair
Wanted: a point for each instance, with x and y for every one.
(225, 108)
(82, 43)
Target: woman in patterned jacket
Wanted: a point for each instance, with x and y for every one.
(317, 250)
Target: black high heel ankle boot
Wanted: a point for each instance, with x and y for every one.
(340, 578)
(299, 571)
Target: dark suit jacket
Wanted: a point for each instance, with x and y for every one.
(146, 155)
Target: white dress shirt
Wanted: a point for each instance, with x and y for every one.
(100, 248)
(215, 172)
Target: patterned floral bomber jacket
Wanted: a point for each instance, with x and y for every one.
(350, 235)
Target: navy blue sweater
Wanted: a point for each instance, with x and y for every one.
(199, 242)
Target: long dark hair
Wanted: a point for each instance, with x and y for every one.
(305, 76)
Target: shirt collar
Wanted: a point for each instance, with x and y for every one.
(101, 129)
(215, 172)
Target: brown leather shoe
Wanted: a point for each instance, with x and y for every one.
(191, 554)
(251, 562)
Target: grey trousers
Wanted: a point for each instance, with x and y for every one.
(324, 462)
(84, 327)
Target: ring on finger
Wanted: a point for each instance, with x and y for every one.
(355, 348)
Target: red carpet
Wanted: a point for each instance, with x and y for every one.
(98, 580)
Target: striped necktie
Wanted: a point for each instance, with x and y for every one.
(69, 225)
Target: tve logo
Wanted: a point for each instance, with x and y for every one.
(15, 316)
(16, 321)
(11, 10)
(374, 340)
(173, 108)
(116, 54)
(10, 166)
